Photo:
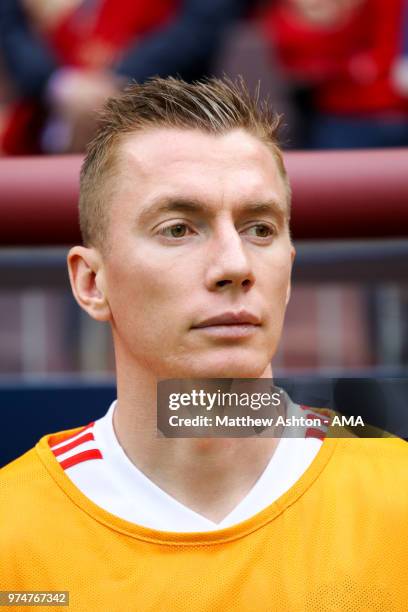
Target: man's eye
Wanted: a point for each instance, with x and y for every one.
(179, 230)
(260, 230)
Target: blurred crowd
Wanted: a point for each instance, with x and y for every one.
(344, 63)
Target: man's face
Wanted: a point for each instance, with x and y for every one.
(198, 229)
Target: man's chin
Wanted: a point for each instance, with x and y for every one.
(244, 369)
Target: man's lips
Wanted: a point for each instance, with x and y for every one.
(242, 317)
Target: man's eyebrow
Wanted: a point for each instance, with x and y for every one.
(173, 204)
(191, 205)
(269, 207)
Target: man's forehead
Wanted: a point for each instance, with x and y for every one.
(163, 150)
(233, 170)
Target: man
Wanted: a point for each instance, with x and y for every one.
(184, 210)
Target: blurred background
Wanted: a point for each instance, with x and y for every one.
(336, 69)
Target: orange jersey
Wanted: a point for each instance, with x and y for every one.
(337, 540)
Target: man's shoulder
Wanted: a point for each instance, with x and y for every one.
(385, 454)
(26, 482)
(24, 485)
(373, 468)
(382, 445)
(23, 470)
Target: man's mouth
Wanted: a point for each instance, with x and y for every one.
(230, 324)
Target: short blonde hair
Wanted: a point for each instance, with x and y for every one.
(213, 105)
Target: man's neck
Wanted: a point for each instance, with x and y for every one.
(209, 475)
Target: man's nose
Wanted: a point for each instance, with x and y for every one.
(228, 262)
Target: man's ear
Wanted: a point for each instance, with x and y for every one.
(292, 255)
(86, 275)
